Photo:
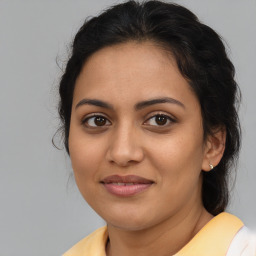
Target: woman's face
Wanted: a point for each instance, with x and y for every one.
(136, 137)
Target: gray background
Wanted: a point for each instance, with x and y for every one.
(41, 211)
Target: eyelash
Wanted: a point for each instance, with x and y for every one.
(169, 119)
(85, 120)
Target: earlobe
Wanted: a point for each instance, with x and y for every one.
(214, 149)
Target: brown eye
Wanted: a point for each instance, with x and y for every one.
(100, 121)
(160, 120)
(96, 121)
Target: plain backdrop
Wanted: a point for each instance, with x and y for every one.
(41, 210)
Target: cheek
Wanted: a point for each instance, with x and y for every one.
(179, 157)
(85, 156)
(180, 150)
(178, 162)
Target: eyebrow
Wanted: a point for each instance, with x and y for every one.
(138, 106)
(148, 103)
(94, 102)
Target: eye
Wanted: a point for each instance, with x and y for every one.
(96, 121)
(160, 120)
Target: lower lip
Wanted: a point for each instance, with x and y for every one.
(126, 190)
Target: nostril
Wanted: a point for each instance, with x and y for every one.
(124, 159)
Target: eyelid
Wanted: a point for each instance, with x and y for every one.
(87, 117)
(171, 118)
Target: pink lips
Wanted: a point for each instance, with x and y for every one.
(126, 185)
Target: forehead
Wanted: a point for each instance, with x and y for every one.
(127, 59)
(131, 72)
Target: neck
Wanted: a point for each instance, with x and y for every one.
(164, 239)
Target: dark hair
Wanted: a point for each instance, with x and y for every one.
(201, 59)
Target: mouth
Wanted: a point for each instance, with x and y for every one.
(126, 185)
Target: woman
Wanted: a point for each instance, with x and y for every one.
(148, 104)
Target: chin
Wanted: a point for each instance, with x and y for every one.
(129, 225)
(129, 221)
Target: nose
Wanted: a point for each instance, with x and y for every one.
(125, 147)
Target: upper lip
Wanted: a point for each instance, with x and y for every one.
(126, 179)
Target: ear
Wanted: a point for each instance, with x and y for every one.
(214, 148)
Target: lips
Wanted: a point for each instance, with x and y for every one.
(126, 185)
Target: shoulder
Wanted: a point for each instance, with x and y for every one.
(93, 244)
(243, 244)
(222, 235)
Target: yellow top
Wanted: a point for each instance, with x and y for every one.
(212, 240)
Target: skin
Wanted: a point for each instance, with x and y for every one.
(163, 218)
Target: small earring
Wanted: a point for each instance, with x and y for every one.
(211, 166)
